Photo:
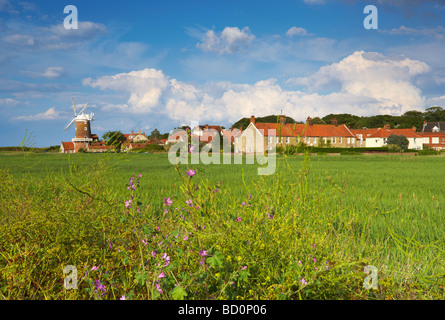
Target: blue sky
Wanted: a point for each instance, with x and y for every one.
(162, 64)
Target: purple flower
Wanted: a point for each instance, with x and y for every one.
(238, 219)
(189, 202)
(153, 253)
(203, 253)
(243, 203)
(250, 196)
(128, 203)
(185, 238)
(167, 201)
(315, 260)
(161, 275)
(191, 149)
(216, 190)
(191, 173)
(144, 241)
(158, 287)
(303, 281)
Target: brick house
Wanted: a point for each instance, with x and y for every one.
(433, 134)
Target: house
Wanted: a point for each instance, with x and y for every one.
(377, 137)
(433, 134)
(98, 147)
(136, 137)
(259, 136)
(67, 147)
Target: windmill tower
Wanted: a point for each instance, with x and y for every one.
(83, 129)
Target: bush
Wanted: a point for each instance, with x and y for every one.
(394, 148)
(398, 140)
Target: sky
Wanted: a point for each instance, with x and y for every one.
(142, 65)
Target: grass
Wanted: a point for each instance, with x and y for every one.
(346, 212)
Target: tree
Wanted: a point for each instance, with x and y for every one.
(155, 134)
(399, 140)
(115, 139)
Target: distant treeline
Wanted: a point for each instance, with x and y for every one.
(407, 120)
(49, 149)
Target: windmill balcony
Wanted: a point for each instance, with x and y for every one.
(82, 140)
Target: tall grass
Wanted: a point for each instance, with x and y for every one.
(302, 233)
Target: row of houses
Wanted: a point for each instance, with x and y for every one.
(258, 137)
(133, 141)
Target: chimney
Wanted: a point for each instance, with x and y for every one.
(207, 127)
(132, 132)
(309, 121)
(283, 120)
(387, 126)
(252, 119)
(139, 131)
(334, 122)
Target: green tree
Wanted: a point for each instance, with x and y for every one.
(114, 139)
(155, 134)
(399, 140)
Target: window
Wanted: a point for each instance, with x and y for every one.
(270, 139)
(287, 140)
(348, 140)
(333, 139)
(352, 140)
(278, 139)
(339, 139)
(315, 140)
(384, 140)
(435, 140)
(85, 128)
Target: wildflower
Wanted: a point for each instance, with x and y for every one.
(100, 289)
(140, 175)
(165, 210)
(176, 237)
(191, 149)
(245, 267)
(185, 238)
(315, 260)
(153, 253)
(243, 203)
(158, 287)
(189, 203)
(313, 246)
(123, 297)
(203, 253)
(303, 281)
(197, 207)
(216, 190)
(161, 275)
(299, 262)
(191, 173)
(250, 196)
(144, 241)
(128, 204)
(94, 268)
(167, 201)
(238, 219)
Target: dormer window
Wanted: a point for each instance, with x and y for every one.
(435, 129)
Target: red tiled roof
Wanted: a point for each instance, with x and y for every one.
(68, 145)
(384, 133)
(304, 130)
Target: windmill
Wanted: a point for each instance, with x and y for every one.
(83, 129)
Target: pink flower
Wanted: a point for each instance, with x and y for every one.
(140, 175)
(158, 287)
(94, 268)
(315, 260)
(167, 201)
(185, 238)
(123, 297)
(191, 148)
(128, 204)
(243, 203)
(238, 219)
(245, 267)
(189, 202)
(203, 253)
(161, 275)
(191, 173)
(250, 196)
(303, 281)
(145, 242)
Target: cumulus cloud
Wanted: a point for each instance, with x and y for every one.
(296, 31)
(230, 40)
(387, 80)
(50, 114)
(368, 83)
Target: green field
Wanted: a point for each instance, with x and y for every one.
(348, 211)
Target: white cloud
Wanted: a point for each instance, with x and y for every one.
(230, 40)
(372, 75)
(50, 114)
(368, 84)
(296, 31)
(50, 73)
(437, 33)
